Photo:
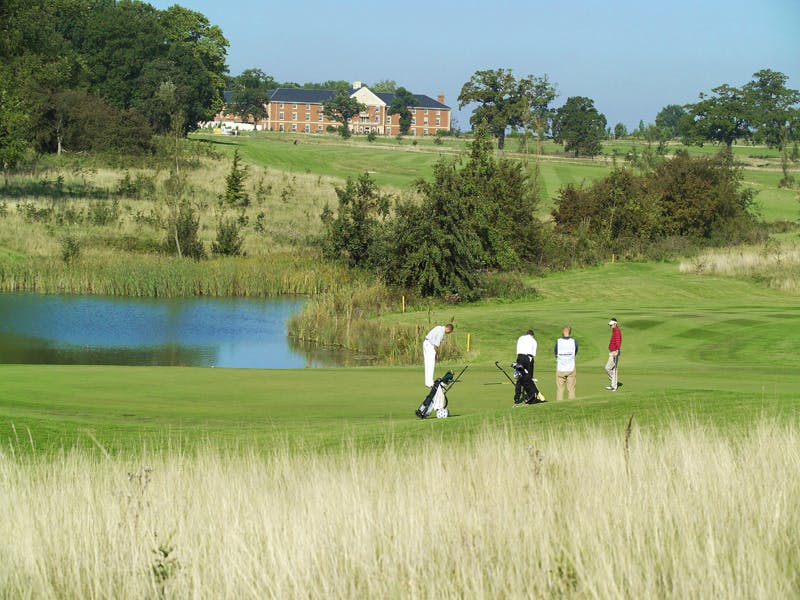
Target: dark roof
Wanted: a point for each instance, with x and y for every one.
(226, 96)
(302, 95)
(423, 101)
(307, 96)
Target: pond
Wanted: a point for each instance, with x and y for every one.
(210, 332)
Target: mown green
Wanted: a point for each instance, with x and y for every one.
(713, 350)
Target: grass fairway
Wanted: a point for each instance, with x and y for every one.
(707, 349)
(398, 165)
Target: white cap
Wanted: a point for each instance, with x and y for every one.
(612, 322)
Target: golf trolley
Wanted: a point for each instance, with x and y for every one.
(437, 396)
(530, 393)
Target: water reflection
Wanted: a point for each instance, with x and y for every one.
(242, 333)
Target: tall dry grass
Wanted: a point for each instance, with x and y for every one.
(776, 263)
(686, 512)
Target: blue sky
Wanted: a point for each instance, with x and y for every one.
(632, 57)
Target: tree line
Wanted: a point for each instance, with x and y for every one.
(103, 75)
(476, 227)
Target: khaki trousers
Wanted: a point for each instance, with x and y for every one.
(566, 379)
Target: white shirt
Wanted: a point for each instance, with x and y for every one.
(526, 344)
(435, 335)
(565, 354)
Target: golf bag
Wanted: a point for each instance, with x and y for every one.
(525, 390)
(436, 398)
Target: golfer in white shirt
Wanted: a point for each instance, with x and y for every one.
(430, 349)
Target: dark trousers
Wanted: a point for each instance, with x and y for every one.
(525, 382)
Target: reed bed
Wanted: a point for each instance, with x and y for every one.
(775, 263)
(685, 512)
(162, 276)
(352, 317)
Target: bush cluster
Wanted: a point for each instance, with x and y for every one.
(696, 199)
(475, 217)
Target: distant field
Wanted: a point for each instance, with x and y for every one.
(397, 165)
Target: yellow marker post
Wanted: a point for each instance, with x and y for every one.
(468, 338)
(403, 303)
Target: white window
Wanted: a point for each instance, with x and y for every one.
(308, 107)
(425, 121)
(280, 116)
(281, 105)
(294, 106)
(319, 116)
(426, 111)
(438, 113)
(377, 118)
(308, 116)
(319, 128)
(308, 128)
(438, 121)
(413, 120)
(294, 116)
(294, 126)
(424, 132)
(280, 127)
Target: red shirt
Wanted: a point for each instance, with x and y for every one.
(616, 340)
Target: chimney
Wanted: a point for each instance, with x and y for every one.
(356, 85)
(440, 98)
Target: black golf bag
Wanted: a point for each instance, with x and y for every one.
(525, 389)
(436, 398)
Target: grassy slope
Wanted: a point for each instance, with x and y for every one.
(710, 349)
(398, 165)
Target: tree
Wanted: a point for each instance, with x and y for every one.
(251, 93)
(235, 193)
(506, 102)
(399, 106)
(341, 108)
(474, 216)
(354, 234)
(535, 96)
(620, 131)
(669, 119)
(384, 85)
(580, 126)
(774, 114)
(337, 85)
(772, 107)
(719, 118)
(207, 44)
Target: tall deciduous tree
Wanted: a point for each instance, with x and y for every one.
(775, 113)
(341, 108)
(251, 93)
(384, 85)
(503, 101)
(580, 126)
(399, 106)
(721, 117)
(669, 119)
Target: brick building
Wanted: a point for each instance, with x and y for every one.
(300, 110)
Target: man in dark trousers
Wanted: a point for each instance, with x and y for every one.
(523, 371)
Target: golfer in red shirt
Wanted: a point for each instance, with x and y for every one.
(614, 348)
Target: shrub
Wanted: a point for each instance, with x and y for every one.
(70, 247)
(182, 233)
(229, 240)
(235, 194)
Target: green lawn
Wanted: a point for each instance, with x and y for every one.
(711, 350)
(397, 165)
